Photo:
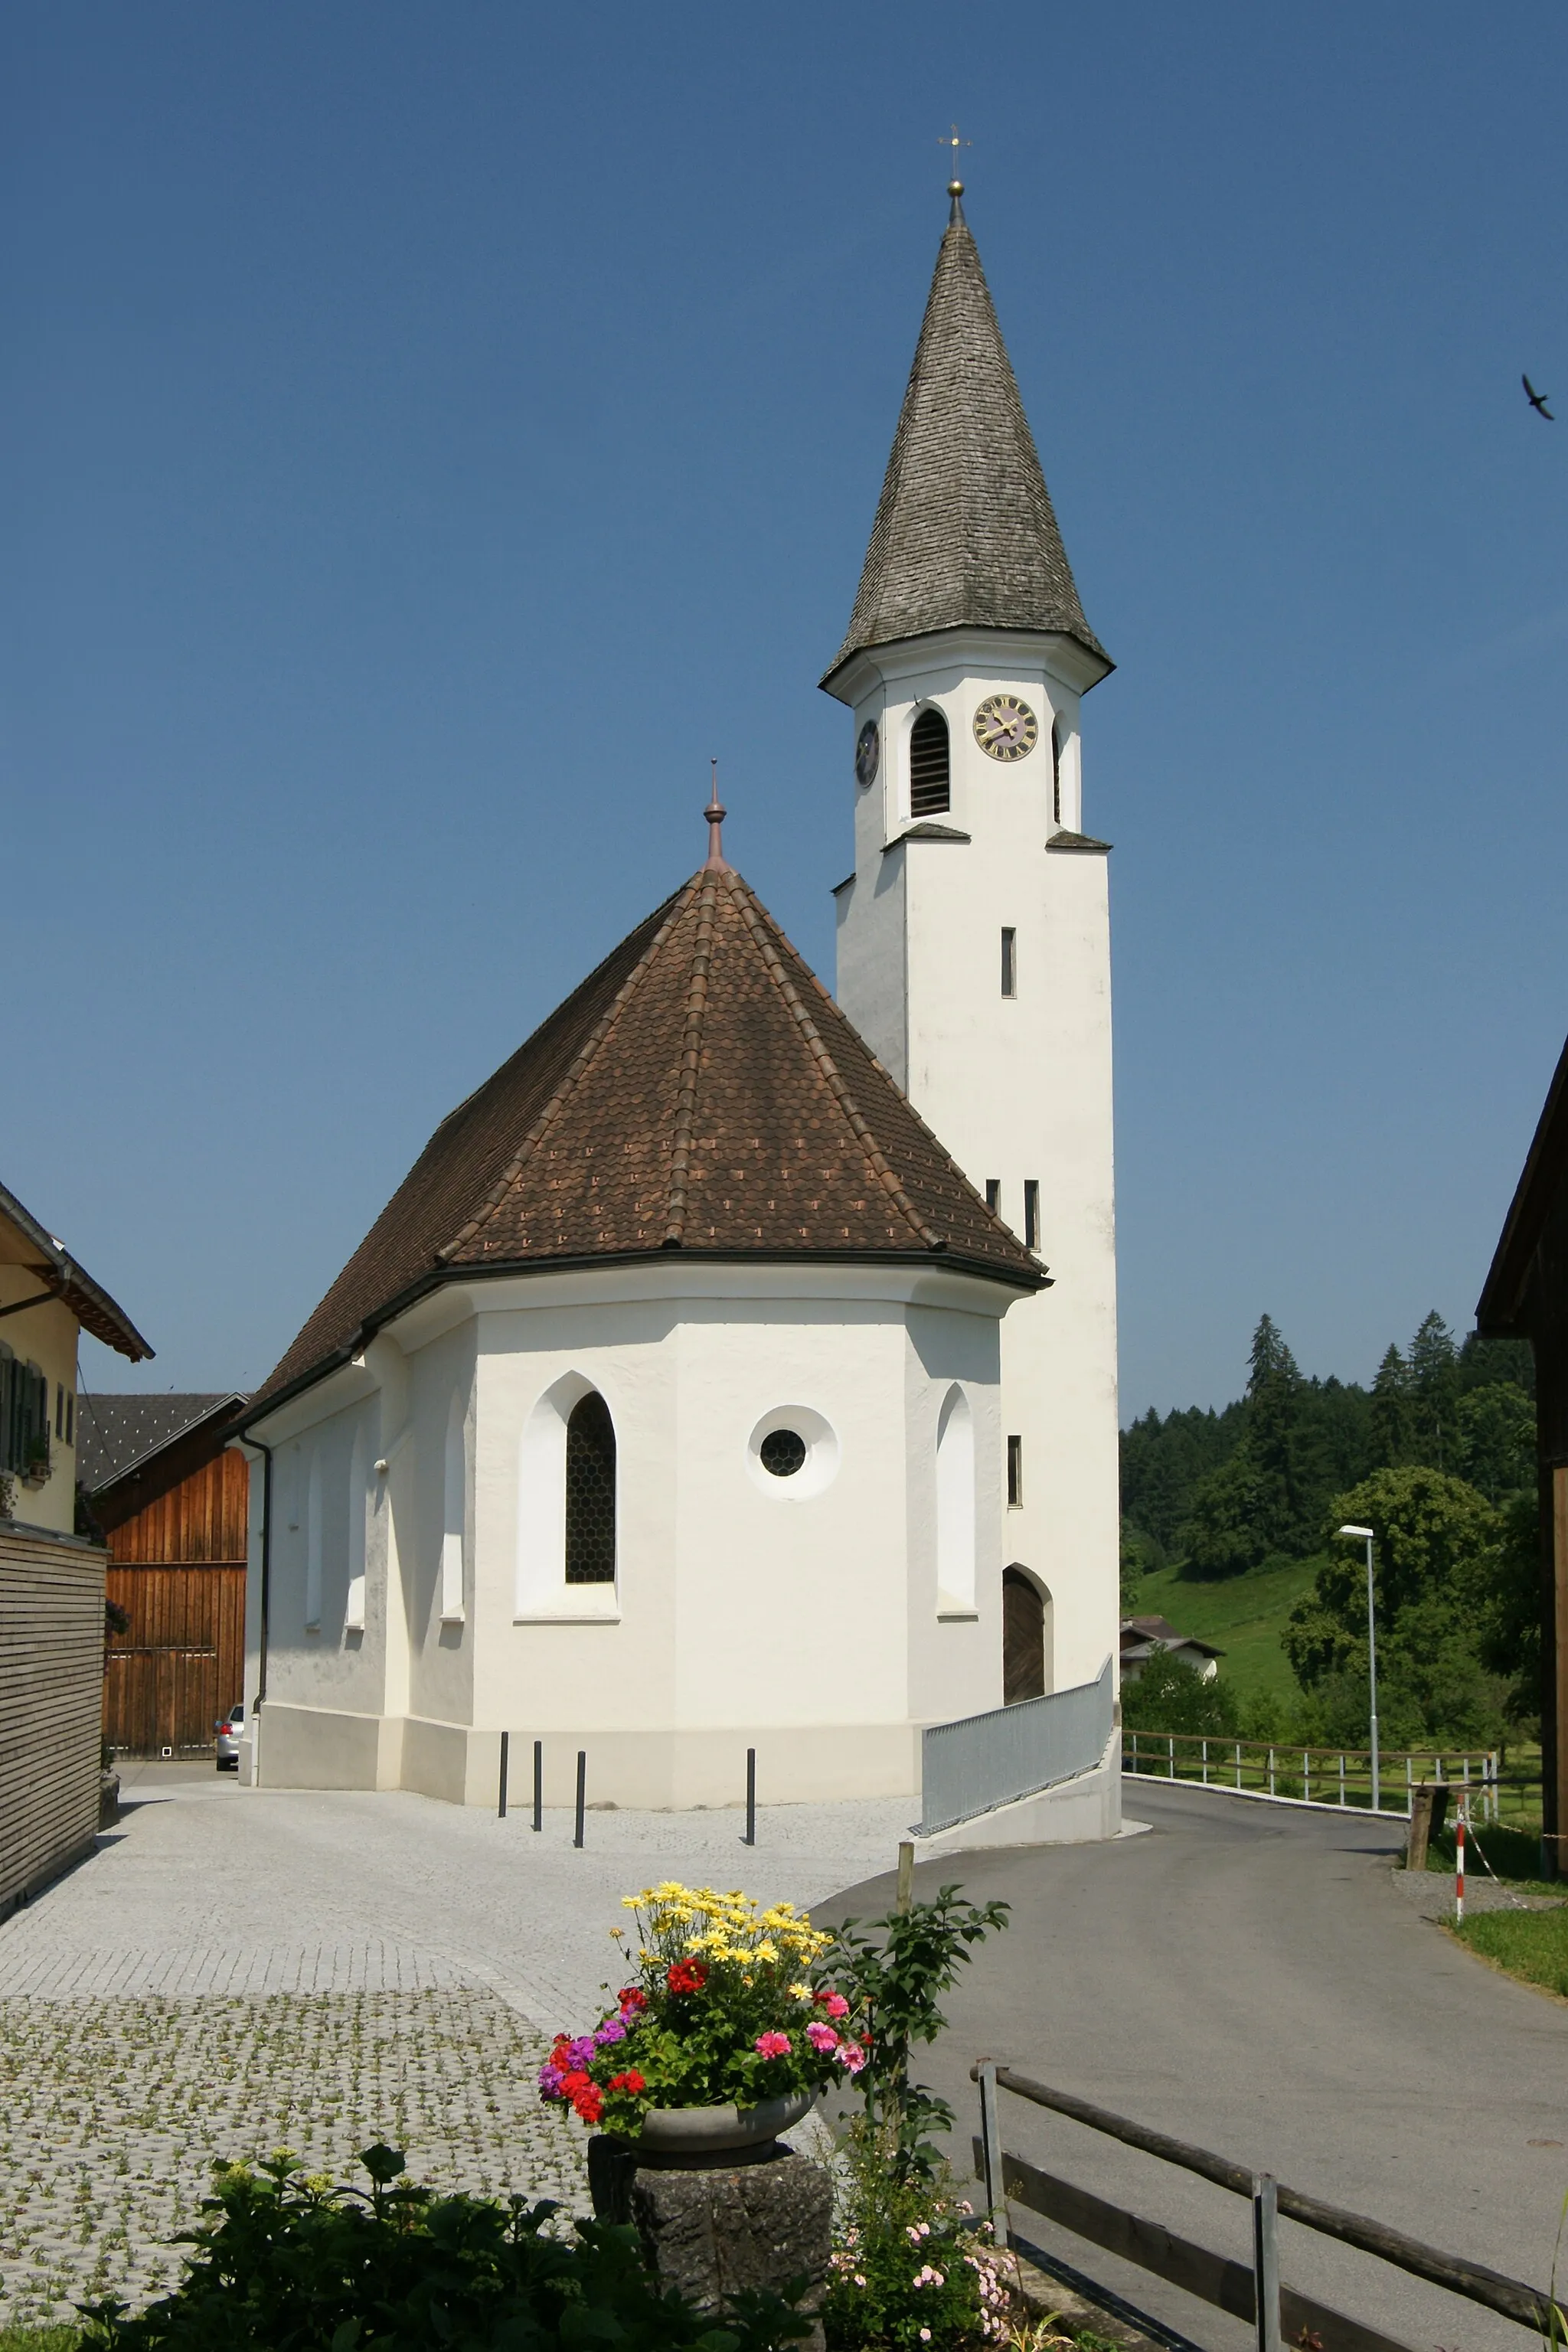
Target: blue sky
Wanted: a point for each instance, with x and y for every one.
(430, 432)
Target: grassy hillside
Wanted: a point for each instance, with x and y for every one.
(1243, 1616)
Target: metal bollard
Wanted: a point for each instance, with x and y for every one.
(582, 1793)
(539, 1784)
(751, 1836)
(1266, 2259)
(906, 1887)
(500, 1808)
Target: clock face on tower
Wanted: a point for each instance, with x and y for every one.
(1004, 727)
(867, 750)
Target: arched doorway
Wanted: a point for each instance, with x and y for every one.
(1023, 1638)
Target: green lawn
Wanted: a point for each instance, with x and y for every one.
(1529, 1944)
(1242, 1615)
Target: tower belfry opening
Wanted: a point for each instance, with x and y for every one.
(929, 765)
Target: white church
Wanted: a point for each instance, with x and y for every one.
(736, 1368)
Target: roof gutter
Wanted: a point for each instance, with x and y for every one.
(267, 1404)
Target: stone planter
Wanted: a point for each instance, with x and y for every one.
(706, 2137)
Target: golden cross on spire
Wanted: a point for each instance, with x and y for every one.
(953, 143)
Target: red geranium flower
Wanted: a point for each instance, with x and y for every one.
(575, 2082)
(630, 2081)
(633, 1997)
(589, 2103)
(687, 1976)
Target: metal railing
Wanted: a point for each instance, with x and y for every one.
(982, 1761)
(1278, 2312)
(1312, 1776)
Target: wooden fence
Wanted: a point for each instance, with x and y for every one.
(1317, 1776)
(51, 1697)
(1256, 2292)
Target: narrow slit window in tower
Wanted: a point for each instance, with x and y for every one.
(1031, 1212)
(928, 765)
(994, 1195)
(1014, 1473)
(1056, 771)
(1009, 961)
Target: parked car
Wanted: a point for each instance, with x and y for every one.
(230, 1729)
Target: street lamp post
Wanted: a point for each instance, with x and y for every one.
(1366, 1536)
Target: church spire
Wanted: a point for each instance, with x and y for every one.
(964, 535)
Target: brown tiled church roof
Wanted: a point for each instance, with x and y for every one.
(700, 1092)
(965, 534)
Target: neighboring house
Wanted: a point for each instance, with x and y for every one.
(51, 1578)
(172, 1500)
(1141, 1636)
(1526, 1298)
(690, 1394)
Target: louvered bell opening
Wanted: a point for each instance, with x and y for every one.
(928, 764)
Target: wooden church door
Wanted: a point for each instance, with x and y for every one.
(1023, 1639)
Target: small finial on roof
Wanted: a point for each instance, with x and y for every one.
(717, 862)
(955, 185)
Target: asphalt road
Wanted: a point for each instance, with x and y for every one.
(1253, 1981)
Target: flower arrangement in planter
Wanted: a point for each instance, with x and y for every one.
(725, 2014)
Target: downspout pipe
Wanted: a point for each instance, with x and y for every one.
(266, 1452)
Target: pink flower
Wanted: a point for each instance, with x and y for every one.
(773, 2045)
(823, 2038)
(851, 2056)
(834, 2003)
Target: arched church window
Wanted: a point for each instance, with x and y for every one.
(929, 767)
(589, 1493)
(1056, 771)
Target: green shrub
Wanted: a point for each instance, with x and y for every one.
(287, 2263)
(1171, 1696)
(912, 2266)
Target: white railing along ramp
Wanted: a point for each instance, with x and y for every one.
(982, 1761)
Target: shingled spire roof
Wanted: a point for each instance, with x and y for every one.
(700, 1092)
(965, 535)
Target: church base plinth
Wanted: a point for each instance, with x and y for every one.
(713, 2233)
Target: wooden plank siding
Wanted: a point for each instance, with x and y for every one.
(202, 1519)
(178, 1567)
(51, 1698)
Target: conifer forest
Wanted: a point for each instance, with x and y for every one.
(1437, 1456)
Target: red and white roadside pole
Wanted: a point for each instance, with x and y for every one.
(1460, 1865)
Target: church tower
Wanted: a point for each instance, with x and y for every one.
(973, 935)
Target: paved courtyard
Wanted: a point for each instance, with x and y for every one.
(237, 1971)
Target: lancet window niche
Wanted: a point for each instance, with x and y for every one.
(566, 1482)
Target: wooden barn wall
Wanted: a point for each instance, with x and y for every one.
(202, 1519)
(51, 1698)
(178, 1567)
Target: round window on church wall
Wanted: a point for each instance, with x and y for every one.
(782, 1451)
(791, 1455)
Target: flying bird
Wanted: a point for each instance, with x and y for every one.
(1538, 400)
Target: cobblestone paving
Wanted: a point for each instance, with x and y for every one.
(236, 1971)
(112, 2114)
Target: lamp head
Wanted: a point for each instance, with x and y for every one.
(1365, 1533)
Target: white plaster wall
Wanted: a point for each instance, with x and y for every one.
(1018, 1087)
(802, 1618)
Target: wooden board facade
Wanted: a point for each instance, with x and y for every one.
(1526, 1297)
(177, 1569)
(51, 1697)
